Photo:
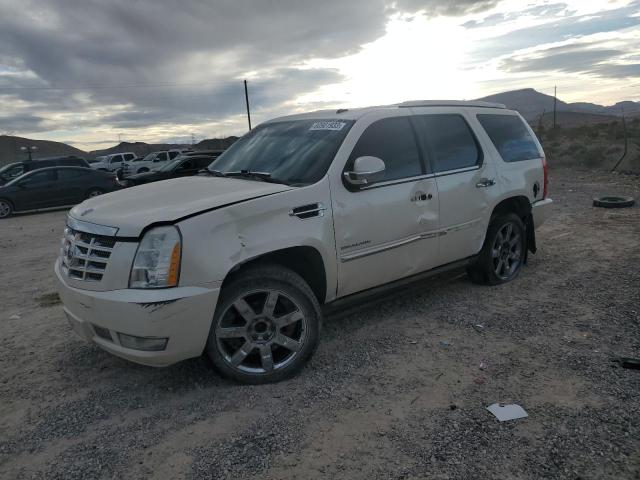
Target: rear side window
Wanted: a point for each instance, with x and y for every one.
(393, 141)
(40, 177)
(510, 136)
(203, 162)
(71, 173)
(450, 142)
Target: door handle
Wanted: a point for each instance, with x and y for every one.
(485, 182)
(421, 197)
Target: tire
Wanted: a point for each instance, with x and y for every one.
(613, 202)
(6, 208)
(94, 192)
(266, 326)
(501, 258)
(143, 170)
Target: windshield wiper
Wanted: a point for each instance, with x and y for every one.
(262, 176)
(213, 173)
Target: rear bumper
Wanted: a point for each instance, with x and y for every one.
(541, 210)
(183, 315)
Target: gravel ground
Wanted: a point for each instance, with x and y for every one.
(395, 389)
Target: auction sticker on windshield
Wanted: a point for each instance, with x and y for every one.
(328, 125)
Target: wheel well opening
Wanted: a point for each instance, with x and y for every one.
(519, 205)
(305, 261)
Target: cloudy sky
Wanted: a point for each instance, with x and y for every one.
(90, 71)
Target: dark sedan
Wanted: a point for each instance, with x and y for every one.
(50, 188)
(182, 166)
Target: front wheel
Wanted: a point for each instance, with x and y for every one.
(6, 209)
(265, 327)
(503, 252)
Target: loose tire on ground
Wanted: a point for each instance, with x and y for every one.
(266, 326)
(613, 202)
(503, 251)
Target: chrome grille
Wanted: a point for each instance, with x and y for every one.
(84, 255)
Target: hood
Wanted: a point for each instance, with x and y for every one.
(132, 209)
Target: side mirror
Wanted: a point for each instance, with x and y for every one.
(366, 170)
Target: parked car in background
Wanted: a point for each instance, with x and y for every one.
(16, 169)
(113, 162)
(56, 187)
(181, 166)
(149, 162)
(303, 211)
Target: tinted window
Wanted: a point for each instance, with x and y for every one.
(71, 173)
(203, 162)
(162, 156)
(39, 177)
(116, 158)
(129, 156)
(450, 142)
(393, 141)
(71, 162)
(510, 136)
(12, 171)
(173, 155)
(187, 165)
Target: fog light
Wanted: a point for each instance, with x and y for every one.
(148, 344)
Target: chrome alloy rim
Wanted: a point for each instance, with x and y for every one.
(5, 209)
(507, 251)
(261, 331)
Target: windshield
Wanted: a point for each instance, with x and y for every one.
(168, 166)
(11, 171)
(148, 158)
(297, 152)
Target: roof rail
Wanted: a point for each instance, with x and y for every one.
(450, 103)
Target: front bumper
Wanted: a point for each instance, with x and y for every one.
(183, 315)
(541, 210)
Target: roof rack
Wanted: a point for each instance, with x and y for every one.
(450, 103)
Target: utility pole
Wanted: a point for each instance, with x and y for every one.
(555, 102)
(626, 143)
(246, 98)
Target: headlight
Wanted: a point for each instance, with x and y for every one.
(157, 261)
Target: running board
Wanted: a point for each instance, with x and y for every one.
(358, 297)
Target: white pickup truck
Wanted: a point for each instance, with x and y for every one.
(113, 162)
(302, 211)
(149, 162)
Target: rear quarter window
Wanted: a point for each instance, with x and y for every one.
(510, 136)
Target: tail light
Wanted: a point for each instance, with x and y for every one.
(545, 170)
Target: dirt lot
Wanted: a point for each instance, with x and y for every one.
(394, 391)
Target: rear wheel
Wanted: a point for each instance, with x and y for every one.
(6, 208)
(503, 252)
(266, 326)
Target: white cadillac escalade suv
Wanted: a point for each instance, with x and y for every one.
(300, 212)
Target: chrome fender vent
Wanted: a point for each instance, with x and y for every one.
(308, 211)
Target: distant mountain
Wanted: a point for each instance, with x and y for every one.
(531, 104)
(215, 143)
(10, 149)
